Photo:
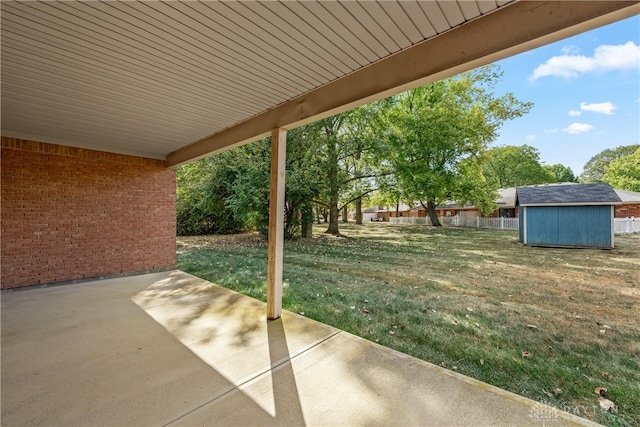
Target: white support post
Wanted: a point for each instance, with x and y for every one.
(276, 223)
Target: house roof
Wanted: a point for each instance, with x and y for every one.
(566, 194)
(181, 80)
(628, 196)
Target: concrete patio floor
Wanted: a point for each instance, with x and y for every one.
(172, 349)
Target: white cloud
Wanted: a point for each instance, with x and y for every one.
(574, 113)
(530, 137)
(602, 108)
(605, 58)
(551, 131)
(576, 128)
(570, 50)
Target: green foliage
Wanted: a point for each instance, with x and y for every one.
(560, 173)
(201, 198)
(438, 134)
(596, 167)
(423, 145)
(230, 191)
(624, 172)
(514, 166)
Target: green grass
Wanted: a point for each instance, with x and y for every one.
(463, 299)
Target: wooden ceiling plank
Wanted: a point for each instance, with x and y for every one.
(367, 31)
(237, 42)
(417, 16)
(384, 21)
(107, 88)
(63, 91)
(397, 14)
(469, 9)
(327, 51)
(283, 41)
(509, 30)
(359, 35)
(452, 12)
(78, 112)
(216, 57)
(104, 69)
(435, 15)
(255, 67)
(256, 37)
(122, 41)
(114, 57)
(330, 32)
(486, 6)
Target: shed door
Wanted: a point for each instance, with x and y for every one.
(569, 226)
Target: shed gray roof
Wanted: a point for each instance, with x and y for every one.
(567, 194)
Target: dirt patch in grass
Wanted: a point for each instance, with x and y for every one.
(474, 301)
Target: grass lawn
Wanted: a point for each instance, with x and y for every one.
(548, 324)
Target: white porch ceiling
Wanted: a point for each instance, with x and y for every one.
(149, 78)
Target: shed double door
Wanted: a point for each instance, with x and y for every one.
(582, 226)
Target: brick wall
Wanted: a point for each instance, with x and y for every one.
(628, 210)
(71, 213)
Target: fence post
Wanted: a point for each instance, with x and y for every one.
(501, 222)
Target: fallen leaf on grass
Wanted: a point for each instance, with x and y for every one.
(391, 333)
(302, 313)
(482, 361)
(469, 309)
(600, 390)
(526, 354)
(454, 321)
(532, 327)
(557, 391)
(606, 404)
(365, 311)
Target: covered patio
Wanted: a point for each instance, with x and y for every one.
(171, 349)
(101, 101)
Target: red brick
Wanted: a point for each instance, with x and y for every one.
(71, 213)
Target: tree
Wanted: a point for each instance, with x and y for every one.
(439, 132)
(596, 167)
(202, 192)
(559, 173)
(624, 173)
(514, 166)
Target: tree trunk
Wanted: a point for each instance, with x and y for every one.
(307, 220)
(359, 211)
(431, 211)
(345, 214)
(398, 210)
(332, 154)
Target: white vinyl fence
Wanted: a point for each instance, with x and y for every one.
(621, 225)
(626, 225)
(458, 221)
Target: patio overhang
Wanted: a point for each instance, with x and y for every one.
(180, 81)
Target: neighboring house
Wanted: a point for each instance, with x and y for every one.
(567, 215)
(630, 206)
(506, 202)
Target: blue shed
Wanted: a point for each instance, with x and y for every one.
(567, 215)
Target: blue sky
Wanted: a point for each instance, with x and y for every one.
(585, 91)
